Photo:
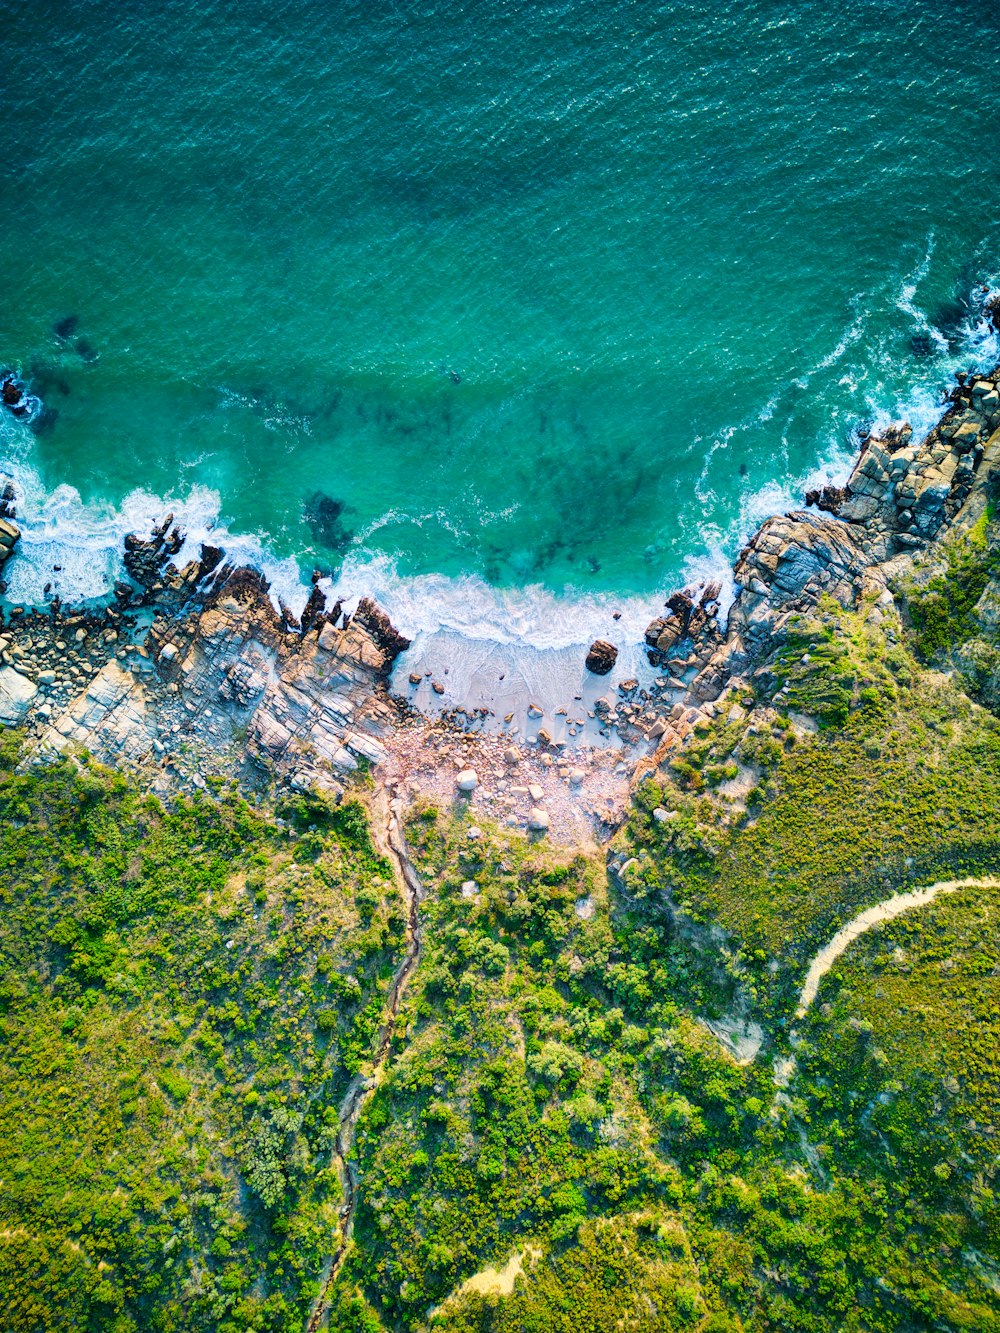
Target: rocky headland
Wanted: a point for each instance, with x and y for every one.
(192, 673)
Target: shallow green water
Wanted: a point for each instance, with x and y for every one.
(558, 294)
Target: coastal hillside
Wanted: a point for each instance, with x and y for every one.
(320, 1013)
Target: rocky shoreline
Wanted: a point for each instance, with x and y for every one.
(190, 674)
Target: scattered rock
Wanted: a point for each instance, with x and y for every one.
(538, 820)
(467, 780)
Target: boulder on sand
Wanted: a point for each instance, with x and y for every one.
(601, 657)
(467, 780)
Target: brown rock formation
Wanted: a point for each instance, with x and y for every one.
(601, 657)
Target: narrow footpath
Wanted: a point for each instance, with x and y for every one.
(393, 846)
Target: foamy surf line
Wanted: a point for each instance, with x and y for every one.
(484, 648)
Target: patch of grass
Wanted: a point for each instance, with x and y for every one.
(170, 1053)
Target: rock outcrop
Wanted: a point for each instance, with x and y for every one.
(193, 671)
(900, 498)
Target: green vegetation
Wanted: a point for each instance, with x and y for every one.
(187, 990)
(634, 1273)
(899, 1080)
(943, 609)
(184, 993)
(900, 792)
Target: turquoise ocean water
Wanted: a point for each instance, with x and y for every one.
(455, 300)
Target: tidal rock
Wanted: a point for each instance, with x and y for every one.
(381, 630)
(601, 657)
(14, 398)
(10, 535)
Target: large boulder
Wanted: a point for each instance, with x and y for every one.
(601, 657)
(16, 695)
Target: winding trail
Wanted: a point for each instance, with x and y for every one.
(393, 846)
(874, 916)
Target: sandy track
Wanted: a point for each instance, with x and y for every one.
(874, 916)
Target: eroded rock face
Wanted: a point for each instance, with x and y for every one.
(900, 498)
(109, 718)
(903, 493)
(690, 628)
(219, 681)
(381, 631)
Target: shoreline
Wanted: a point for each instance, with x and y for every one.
(191, 671)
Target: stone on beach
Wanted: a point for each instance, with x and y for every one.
(601, 657)
(467, 780)
(538, 820)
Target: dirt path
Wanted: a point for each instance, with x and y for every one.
(874, 916)
(392, 845)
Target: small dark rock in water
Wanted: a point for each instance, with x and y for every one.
(602, 657)
(992, 308)
(743, 469)
(85, 350)
(67, 326)
(14, 397)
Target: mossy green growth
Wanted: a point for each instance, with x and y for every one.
(943, 610)
(634, 1273)
(898, 1077)
(166, 1077)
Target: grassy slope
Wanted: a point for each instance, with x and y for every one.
(184, 996)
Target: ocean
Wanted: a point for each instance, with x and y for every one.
(513, 315)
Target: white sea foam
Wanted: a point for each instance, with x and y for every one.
(76, 547)
(483, 644)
